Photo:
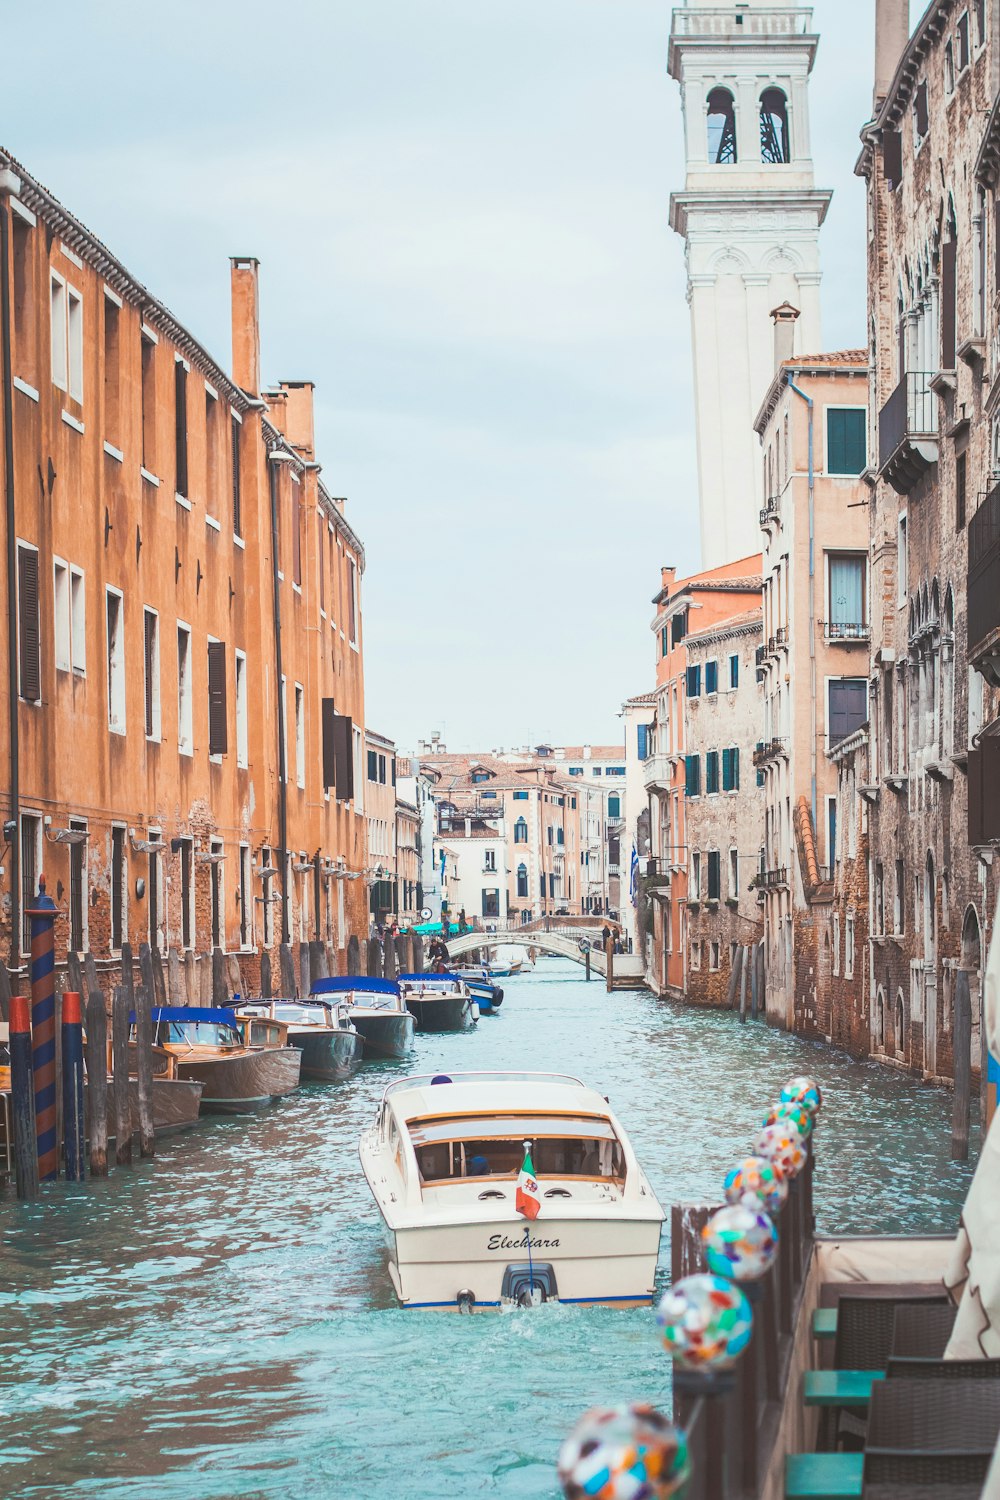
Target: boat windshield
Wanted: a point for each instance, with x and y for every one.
(561, 1146)
(197, 1034)
(303, 1015)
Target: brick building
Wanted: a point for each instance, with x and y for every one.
(930, 278)
(181, 750)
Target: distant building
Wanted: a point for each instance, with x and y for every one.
(380, 813)
(638, 716)
(408, 882)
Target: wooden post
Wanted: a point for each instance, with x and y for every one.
(609, 954)
(962, 1056)
(266, 991)
(408, 958)
(144, 1070)
(318, 966)
(176, 985)
(305, 969)
(752, 955)
(90, 979)
(743, 985)
(234, 976)
(128, 975)
(389, 965)
(97, 1083)
(353, 955)
(159, 979)
(205, 979)
(22, 1089)
(288, 990)
(374, 958)
(734, 977)
(220, 990)
(146, 970)
(586, 965)
(72, 1081)
(4, 993)
(418, 953)
(74, 973)
(120, 1007)
(759, 971)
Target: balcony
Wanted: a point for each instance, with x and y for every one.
(984, 587)
(781, 637)
(769, 515)
(843, 633)
(758, 658)
(907, 432)
(614, 822)
(657, 872)
(768, 750)
(657, 773)
(772, 880)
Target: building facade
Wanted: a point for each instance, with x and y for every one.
(381, 874)
(182, 740)
(749, 215)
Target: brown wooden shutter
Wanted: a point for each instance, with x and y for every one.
(892, 157)
(948, 305)
(329, 717)
(237, 496)
(29, 679)
(218, 718)
(344, 751)
(149, 644)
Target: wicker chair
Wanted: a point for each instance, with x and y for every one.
(864, 1342)
(922, 1332)
(930, 1438)
(943, 1369)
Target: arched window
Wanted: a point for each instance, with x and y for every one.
(774, 143)
(880, 1018)
(930, 909)
(900, 1035)
(522, 880)
(721, 127)
(520, 832)
(614, 806)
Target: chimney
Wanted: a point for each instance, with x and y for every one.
(667, 576)
(299, 415)
(785, 318)
(246, 322)
(892, 32)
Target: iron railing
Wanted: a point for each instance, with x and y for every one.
(910, 412)
(770, 880)
(844, 630)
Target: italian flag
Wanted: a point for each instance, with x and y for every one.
(526, 1198)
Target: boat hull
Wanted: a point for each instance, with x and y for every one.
(384, 1033)
(443, 1012)
(243, 1081)
(598, 1261)
(329, 1056)
(176, 1105)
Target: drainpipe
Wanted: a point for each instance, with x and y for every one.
(10, 183)
(812, 607)
(276, 456)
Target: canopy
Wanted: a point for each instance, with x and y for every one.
(340, 984)
(216, 1016)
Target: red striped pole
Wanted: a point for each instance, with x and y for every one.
(22, 1099)
(43, 1030)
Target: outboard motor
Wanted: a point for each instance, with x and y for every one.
(528, 1285)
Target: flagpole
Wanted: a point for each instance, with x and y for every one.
(527, 1237)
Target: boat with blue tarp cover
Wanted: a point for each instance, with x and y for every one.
(439, 1002)
(376, 1009)
(331, 1046)
(487, 995)
(208, 1044)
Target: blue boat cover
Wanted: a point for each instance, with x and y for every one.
(337, 985)
(217, 1016)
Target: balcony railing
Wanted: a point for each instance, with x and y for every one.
(843, 630)
(657, 772)
(769, 514)
(907, 432)
(984, 578)
(770, 880)
(768, 750)
(781, 636)
(657, 871)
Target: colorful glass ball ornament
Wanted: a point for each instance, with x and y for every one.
(782, 1144)
(740, 1242)
(793, 1114)
(705, 1322)
(758, 1181)
(802, 1090)
(624, 1453)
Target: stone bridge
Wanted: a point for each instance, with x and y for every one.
(565, 943)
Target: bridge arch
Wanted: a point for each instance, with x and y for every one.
(563, 944)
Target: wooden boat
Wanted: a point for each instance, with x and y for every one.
(331, 1046)
(208, 1048)
(439, 1002)
(443, 1159)
(376, 1009)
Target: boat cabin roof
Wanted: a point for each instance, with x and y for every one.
(190, 1014)
(510, 1097)
(340, 984)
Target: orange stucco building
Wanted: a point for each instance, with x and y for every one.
(182, 733)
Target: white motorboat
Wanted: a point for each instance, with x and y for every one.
(443, 1159)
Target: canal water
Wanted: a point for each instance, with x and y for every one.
(219, 1323)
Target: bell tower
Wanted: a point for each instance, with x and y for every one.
(750, 216)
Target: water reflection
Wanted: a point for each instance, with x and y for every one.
(220, 1324)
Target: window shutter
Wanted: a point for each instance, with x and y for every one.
(892, 157)
(836, 448)
(948, 305)
(234, 427)
(329, 714)
(29, 683)
(734, 671)
(149, 642)
(714, 875)
(642, 738)
(693, 769)
(711, 677)
(343, 756)
(218, 726)
(297, 535)
(180, 428)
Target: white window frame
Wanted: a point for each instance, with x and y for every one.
(861, 555)
(246, 899)
(849, 945)
(156, 732)
(78, 619)
(187, 899)
(836, 944)
(300, 735)
(840, 406)
(116, 679)
(734, 873)
(37, 818)
(242, 723)
(123, 892)
(185, 691)
(217, 846)
(63, 638)
(58, 330)
(74, 341)
(359, 767)
(283, 710)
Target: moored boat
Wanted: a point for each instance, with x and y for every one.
(439, 1002)
(207, 1047)
(444, 1160)
(321, 1029)
(375, 1007)
(487, 995)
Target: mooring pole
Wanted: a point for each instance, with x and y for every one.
(97, 1083)
(43, 1030)
(22, 1090)
(72, 1083)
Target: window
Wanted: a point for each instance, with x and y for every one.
(216, 905)
(576, 770)
(696, 955)
(878, 915)
(520, 797)
(522, 880)
(734, 874)
(614, 806)
(846, 439)
(899, 900)
(711, 677)
(664, 640)
(920, 117)
(115, 609)
(692, 775)
(734, 671)
(901, 560)
(846, 572)
(29, 648)
(31, 866)
(352, 601)
(949, 67)
(24, 298)
(78, 888)
(218, 706)
(678, 627)
(960, 481)
(836, 943)
(185, 701)
(962, 39)
(59, 325)
(234, 440)
(296, 531)
(712, 772)
(693, 681)
(949, 292)
(60, 596)
(900, 1027)
(491, 903)
(721, 127)
(714, 875)
(520, 832)
(245, 911)
(548, 835)
(75, 336)
(151, 671)
(560, 836)
(283, 710)
(979, 9)
(78, 620)
(187, 893)
(774, 143)
(180, 428)
(476, 778)
(490, 860)
(119, 889)
(597, 771)
(831, 831)
(713, 961)
(372, 765)
(112, 372)
(213, 458)
(300, 735)
(848, 707)
(154, 892)
(148, 397)
(242, 735)
(731, 770)
(267, 901)
(615, 771)
(696, 875)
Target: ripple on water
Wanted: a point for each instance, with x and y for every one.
(218, 1323)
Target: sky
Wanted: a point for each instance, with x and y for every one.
(460, 209)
